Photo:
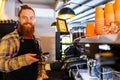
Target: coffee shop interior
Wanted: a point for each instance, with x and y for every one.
(81, 37)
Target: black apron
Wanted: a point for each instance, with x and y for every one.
(27, 72)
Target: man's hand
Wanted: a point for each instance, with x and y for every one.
(30, 58)
(44, 76)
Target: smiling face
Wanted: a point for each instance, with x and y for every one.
(27, 20)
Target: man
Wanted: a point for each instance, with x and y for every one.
(18, 50)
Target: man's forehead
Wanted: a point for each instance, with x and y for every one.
(27, 12)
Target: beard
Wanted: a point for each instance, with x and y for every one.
(26, 29)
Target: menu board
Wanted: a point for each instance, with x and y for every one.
(61, 25)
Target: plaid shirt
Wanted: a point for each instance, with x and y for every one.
(9, 47)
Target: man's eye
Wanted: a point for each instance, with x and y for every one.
(31, 17)
(24, 17)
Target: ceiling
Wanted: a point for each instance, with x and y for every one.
(84, 9)
(49, 3)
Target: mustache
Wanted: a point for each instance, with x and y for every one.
(27, 23)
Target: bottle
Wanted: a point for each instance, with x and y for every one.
(77, 32)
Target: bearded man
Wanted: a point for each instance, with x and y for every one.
(18, 50)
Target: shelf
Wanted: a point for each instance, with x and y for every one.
(108, 38)
(66, 43)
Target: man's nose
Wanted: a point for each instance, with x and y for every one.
(28, 20)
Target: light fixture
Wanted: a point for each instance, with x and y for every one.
(2, 4)
(53, 25)
(66, 13)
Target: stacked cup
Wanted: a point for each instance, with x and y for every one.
(109, 13)
(99, 21)
(109, 17)
(90, 29)
(117, 11)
